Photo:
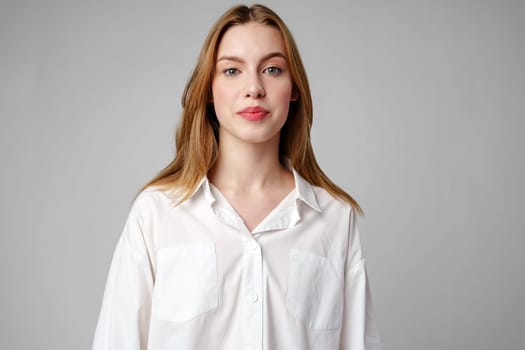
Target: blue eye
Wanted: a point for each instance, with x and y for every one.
(273, 70)
(229, 72)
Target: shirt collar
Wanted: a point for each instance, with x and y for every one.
(303, 191)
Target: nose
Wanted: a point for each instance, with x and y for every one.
(254, 87)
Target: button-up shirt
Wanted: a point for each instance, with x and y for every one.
(192, 276)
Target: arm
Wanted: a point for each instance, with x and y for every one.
(124, 317)
(359, 330)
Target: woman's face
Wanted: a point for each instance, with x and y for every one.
(252, 85)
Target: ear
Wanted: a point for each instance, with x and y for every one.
(295, 95)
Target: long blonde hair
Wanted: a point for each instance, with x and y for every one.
(197, 135)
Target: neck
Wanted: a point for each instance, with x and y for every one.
(243, 166)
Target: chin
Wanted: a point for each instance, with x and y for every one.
(261, 137)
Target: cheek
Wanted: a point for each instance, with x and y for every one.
(222, 95)
(222, 101)
(283, 92)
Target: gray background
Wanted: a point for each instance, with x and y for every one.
(418, 114)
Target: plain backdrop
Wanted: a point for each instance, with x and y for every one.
(419, 114)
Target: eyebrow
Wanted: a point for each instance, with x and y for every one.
(240, 60)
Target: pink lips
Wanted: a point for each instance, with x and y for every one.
(253, 113)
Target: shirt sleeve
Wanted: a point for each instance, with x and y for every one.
(359, 330)
(124, 317)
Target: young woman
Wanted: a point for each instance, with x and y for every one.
(241, 242)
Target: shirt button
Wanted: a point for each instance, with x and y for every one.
(253, 297)
(252, 246)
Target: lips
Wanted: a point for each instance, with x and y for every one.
(253, 113)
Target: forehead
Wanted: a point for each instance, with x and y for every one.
(251, 39)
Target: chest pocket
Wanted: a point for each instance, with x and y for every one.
(315, 291)
(186, 282)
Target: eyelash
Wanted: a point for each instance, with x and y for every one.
(229, 72)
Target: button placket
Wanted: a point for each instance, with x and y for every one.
(252, 305)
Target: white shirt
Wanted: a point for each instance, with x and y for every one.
(193, 277)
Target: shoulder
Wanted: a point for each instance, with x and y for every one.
(150, 202)
(328, 202)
